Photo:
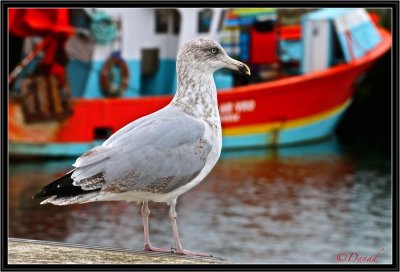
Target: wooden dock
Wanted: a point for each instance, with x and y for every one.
(22, 251)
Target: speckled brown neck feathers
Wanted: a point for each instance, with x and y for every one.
(196, 94)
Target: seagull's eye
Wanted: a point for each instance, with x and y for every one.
(214, 51)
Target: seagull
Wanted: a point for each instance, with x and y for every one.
(159, 156)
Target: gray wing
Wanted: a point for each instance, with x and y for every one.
(160, 154)
(91, 164)
(123, 132)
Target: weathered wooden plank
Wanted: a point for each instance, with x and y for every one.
(22, 251)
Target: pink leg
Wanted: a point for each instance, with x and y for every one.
(177, 247)
(147, 245)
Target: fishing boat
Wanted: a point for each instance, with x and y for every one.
(324, 57)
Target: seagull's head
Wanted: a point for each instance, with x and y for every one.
(207, 56)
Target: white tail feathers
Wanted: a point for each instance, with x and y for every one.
(77, 199)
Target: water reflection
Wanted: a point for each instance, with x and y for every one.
(293, 205)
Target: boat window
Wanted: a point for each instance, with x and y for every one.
(161, 21)
(176, 21)
(205, 17)
(167, 21)
(221, 20)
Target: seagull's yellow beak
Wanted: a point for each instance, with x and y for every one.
(238, 66)
(244, 69)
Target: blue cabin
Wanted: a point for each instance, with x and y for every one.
(335, 35)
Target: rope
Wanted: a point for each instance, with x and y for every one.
(103, 28)
(17, 70)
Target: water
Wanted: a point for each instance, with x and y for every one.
(293, 205)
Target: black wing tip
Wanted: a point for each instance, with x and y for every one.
(49, 189)
(62, 187)
(40, 194)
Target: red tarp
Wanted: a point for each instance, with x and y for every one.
(44, 22)
(263, 47)
(29, 22)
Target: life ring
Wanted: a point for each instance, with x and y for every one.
(110, 88)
